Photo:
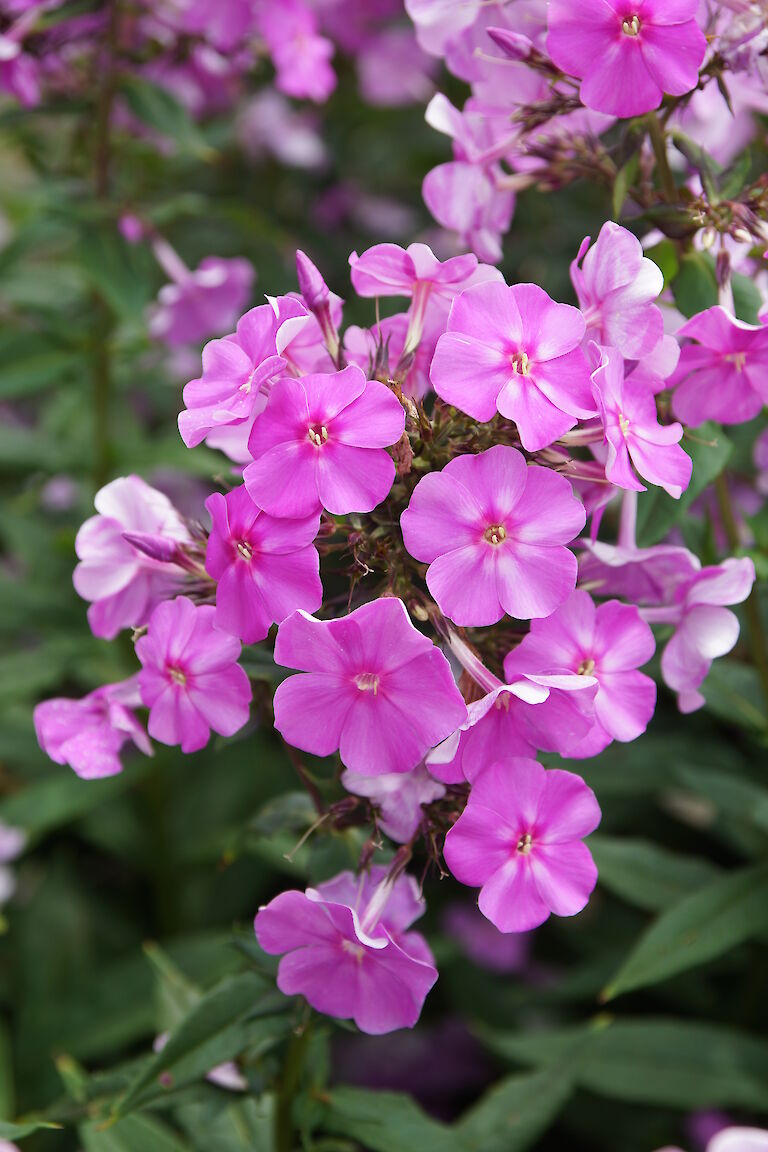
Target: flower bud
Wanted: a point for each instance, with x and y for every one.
(513, 44)
(311, 284)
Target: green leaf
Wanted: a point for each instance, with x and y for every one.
(515, 1112)
(59, 799)
(34, 362)
(733, 692)
(157, 108)
(115, 270)
(701, 926)
(664, 255)
(747, 300)
(645, 875)
(699, 159)
(657, 512)
(134, 1134)
(695, 287)
(659, 1062)
(213, 1031)
(19, 1131)
(625, 178)
(387, 1122)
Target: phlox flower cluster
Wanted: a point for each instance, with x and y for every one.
(548, 80)
(404, 537)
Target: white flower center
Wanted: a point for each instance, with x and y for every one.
(353, 949)
(521, 365)
(244, 549)
(318, 436)
(368, 682)
(177, 675)
(496, 534)
(623, 424)
(631, 27)
(738, 359)
(586, 668)
(524, 844)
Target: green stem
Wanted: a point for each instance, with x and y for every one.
(752, 604)
(659, 145)
(101, 367)
(287, 1089)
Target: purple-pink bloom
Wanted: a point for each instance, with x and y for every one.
(346, 947)
(122, 581)
(301, 57)
(493, 531)
(483, 943)
(398, 797)
(520, 841)
(633, 433)
(515, 350)
(383, 346)
(190, 679)
(239, 369)
(608, 643)
(616, 286)
(704, 628)
(320, 443)
(627, 53)
(264, 568)
(200, 303)
(468, 199)
(372, 686)
(89, 734)
(724, 375)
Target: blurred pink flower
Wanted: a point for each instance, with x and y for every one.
(399, 797)
(724, 374)
(88, 734)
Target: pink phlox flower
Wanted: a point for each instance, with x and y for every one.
(739, 1140)
(13, 841)
(268, 123)
(655, 369)
(616, 286)
(641, 575)
(264, 568)
(223, 23)
(520, 841)
(190, 679)
(320, 442)
(122, 581)
(201, 303)
(371, 686)
(239, 369)
(516, 351)
(633, 433)
(399, 797)
(300, 55)
(438, 22)
(392, 70)
(346, 947)
(493, 531)
(531, 713)
(89, 734)
(723, 375)
(469, 200)
(627, 53)
(607, 643)
(705, 629)
(384, 345)
(483, 943)
(306, 350)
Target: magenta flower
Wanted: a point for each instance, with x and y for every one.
(493, 530)
(372, 687)
(89, 734)
(705, 629)
(264, 568)
(627, 53)
(301, 57)
(398, 797)
(633, 433)
(190, 679)
(346, 948)
(122, 581)
(519, 841)
(616, 286)
(515, 350)
(366, 347)
(608, 643)
(319, 442)
(200, 303)
(724, 375)
(548, 713)
(238, 369)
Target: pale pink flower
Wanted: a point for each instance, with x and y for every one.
(122, 581)
(520, 841)
(393, 70)
(264, 568)
(89, 734)
(201, 303)
(739, 1140)
(190, 679)
(516, 351)
(616, 286)
(470, 200)
(633, 433)
(399, 797)
(383, 346)
(627, 53)
(372, 686)
(608, 643)
(320, 442)
(300, 55)
(493, 531)
(723, 375)
(239, 369)
(346, 948)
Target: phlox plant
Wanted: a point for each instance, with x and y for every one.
(460, 537)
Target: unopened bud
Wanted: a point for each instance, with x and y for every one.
(131, 228)
(514, 45)
(156, 547)
(708, 238)
(723, 268)
(311, 284)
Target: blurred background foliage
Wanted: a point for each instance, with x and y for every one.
(135, 895)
